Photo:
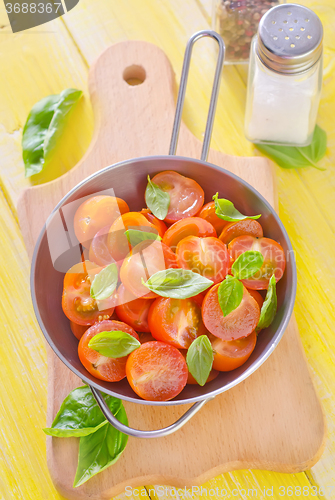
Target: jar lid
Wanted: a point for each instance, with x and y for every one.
(289, 38)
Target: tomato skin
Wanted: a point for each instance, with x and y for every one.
(208, 213)
(117, 242)
(274, 259)
(186, 196)
(156, 371)
(229, 355)
(206, 256)
(159, 224)
(132, 310)
(146, 259)
(95, 213)
(237, 324)
(243, 227)
(257, 296)
(192, 226)
(176, 321)
(99, 252)
(108, 369)
(77, 304)
(78, 330)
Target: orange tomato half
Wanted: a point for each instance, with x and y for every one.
(231, 354)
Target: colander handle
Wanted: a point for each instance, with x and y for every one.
(146, 434)
(182, 90)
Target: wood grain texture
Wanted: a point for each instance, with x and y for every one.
(133, 121)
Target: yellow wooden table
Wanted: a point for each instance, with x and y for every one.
(57, 55)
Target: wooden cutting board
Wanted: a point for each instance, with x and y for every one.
(274, 419)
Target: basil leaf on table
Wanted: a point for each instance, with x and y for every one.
(100, 450)
(247, 264)
(230, 294)
(225, 210)
(116, 344)
(177, 283)
(157, 200)
(269, 307)
(104, 283)
(199, 359)
(80, 415)
(298, 157)
(135, 236)
(44, 126)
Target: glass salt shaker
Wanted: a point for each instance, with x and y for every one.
(285, 77)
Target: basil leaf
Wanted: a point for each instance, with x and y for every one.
(115, 344)
(225, 210)
(177, 283)
(230, 294)
(44, 125)
(135, 236)
(104, 283)
(247, 264)
(80, 415)
(269, 307)
(298, 157)
(157, 200)
(100, 450)
(199, 359)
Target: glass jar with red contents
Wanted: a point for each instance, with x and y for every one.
(237, 22)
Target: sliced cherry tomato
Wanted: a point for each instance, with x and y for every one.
(96, 213)
(99, 252)
(274, 259)
(159, 224)
(146, 337)
(208, 213)
(176, 321)
(78, 330)
(156, 371)
(118, 244)
(237, 324)
(145, 260)
(186, 196)
(101, 367)
(132, 310)
(192, 226)
(257, 296)
(231, 354)
(206, 256)
(247, 226)
(191, 380)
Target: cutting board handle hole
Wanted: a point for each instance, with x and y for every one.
(134, 75)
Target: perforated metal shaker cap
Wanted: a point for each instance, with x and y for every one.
(289, 38)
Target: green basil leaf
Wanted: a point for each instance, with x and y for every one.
(230, 294)
(269, 307)
(44, 126)
(199, 359)
(104, 283)
(157, 200)
(247, 264)
(225, 210)
(80, 415)
(298, 157)
(115, 344)
(177, 283)
(100, 450)
(135, 236)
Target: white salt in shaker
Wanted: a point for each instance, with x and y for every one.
(285, 77)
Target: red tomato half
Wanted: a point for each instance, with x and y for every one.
(206, 256)
(229, 355)
(192, 226)
(156, 371)
(247, 226)
(159, 224)
(237, 324)
(208, 213)
(77, 303)
(94, 214)
(274, 259)
(78, 330)
(176, 321)
(132, 310)
(99, 252)
(101, 367)
(257, 296)
(186, 196)
(145, 260)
